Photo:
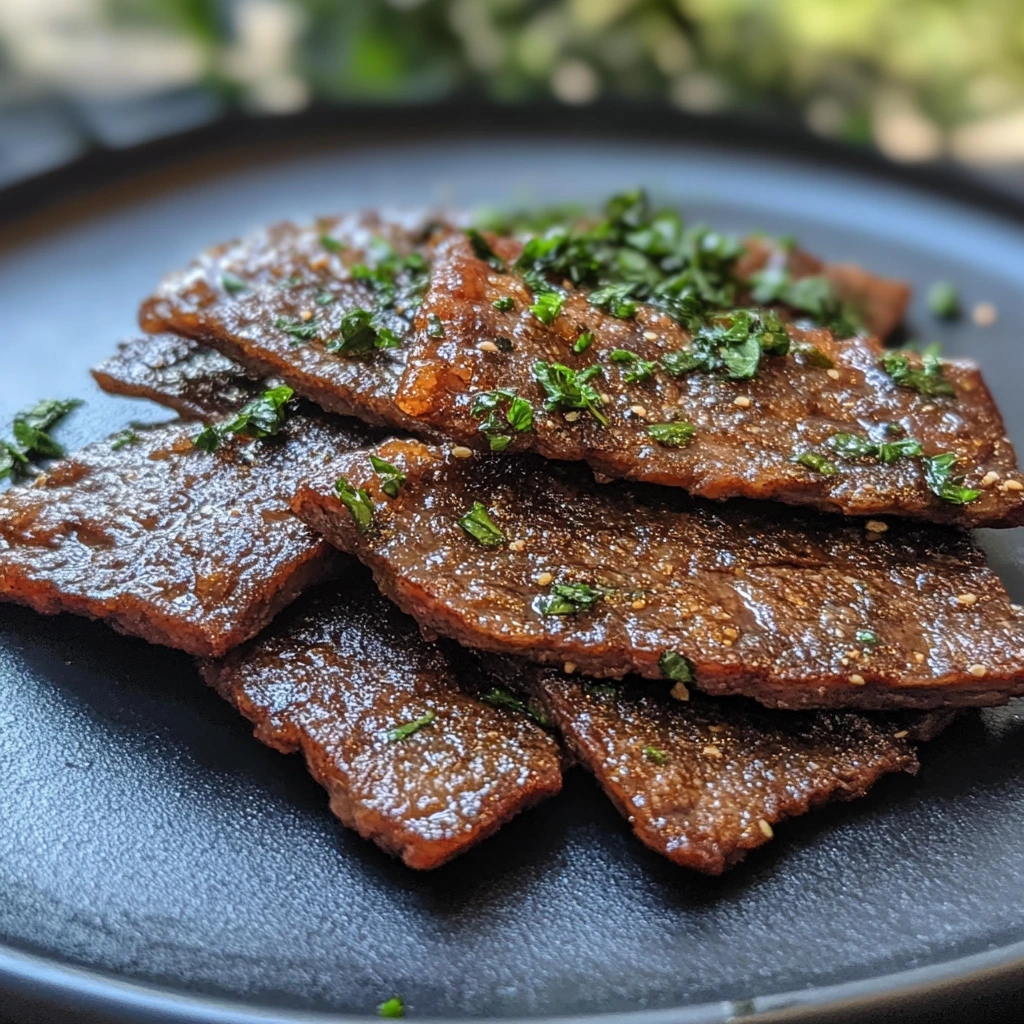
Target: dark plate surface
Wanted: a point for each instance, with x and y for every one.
(147, 840)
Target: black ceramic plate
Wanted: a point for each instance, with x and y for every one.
(156, 862)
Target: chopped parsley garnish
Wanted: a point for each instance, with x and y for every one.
(358, 502)
(926, 379)
(124, 438)
(435, 328)
(813, 295)
(813, 356)
(546, 306)
(478, 524)
(640, 369)
(656, 756)
(330, 244)
(325, 297)
(499, 697)
(391, 477)
(401, 732)
(568, 599)
(264, 416)
(674, 666)
(298, 330)
(392, 1008)
(733, 342)
(583, 342)
(672, 435)
(483, 251)
(31, 439)
(518, 415)
(569, 389)
(944, 301)
(233, 285)
(287, 283)
(817, 462)
(504, 304)
(361, 332)
(942, 481)
(615, 300)
(866, 636)
(856, 446)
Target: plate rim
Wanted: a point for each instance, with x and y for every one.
(36, 977)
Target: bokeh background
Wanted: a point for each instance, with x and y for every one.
(919, 79)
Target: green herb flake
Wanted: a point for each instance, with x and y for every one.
(124, 439)
(892, 451)
(499, 697)
(31, 439)
(944, 300)
(392, 1008)
(674, 666)
(362, 333)
(518, 415)
(615, 300)
(656, 756)
(817, 462)
(927, 379)
(325, 297)
(330, 244)
(640, 369)
(483, 251)
(435, 328)
(583, 342)
(568, 599)
(358, 502)
(298, 330)
(504, 304)
(232, 284)
(868, 637)
(262, 417)
(672, 435)
(547, 306)
(569, 389)
(852, 446)
(401, 732)
(478, 524)
(943, 482)
(391, 477)
(287, 283)
(811, 355)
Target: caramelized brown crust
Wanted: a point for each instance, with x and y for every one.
(342, 669)
(166, 542)
(288, 274)
(196, 382)
(766, 603)
(748, 433)
(703, 781)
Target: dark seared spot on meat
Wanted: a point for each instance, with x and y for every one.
(342, 669)
(748, 433)
(166, 542)
(285, 274)
(767, 603)
(704, 781)
(195, 381)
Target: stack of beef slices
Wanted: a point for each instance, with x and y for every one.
(525, 435)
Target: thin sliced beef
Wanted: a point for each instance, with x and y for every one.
(338, 674)
(769, 437)
(792, 610)
(167, 542)
(197, 382)
(704, 781)
(276, 302)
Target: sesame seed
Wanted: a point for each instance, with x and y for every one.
(487, 346)
(651, 335)
(978, 671)
(605, 397)
(857, 680)
(319, 262)
(679, 692)
(1012, 485)
(516, 545)
(766, 829)
(876, 526)
(638, 604)
(833, 373)
(306, 315)
(544, 579)
(989, 478)
(844, 662)
(742, 401)
(712, 751)
(236, 512)
(918, 657)
(571, 417)
(967, 599)
(638, 410)
(902, 734)
(462, 452)
(716, 728)
(731, 632)
(569, 667)
(985, 314)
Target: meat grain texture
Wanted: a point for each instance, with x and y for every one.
(793, 610)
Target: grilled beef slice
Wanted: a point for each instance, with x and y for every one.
(167, 542)
(704, 780)
(277, 302)
(748, 435)
(343, 669)
(792, 610)
(197, 382)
